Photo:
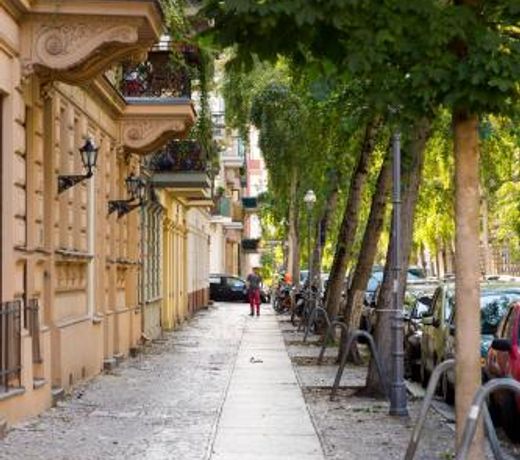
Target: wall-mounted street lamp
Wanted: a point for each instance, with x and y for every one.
(89, 154)
(136, 188)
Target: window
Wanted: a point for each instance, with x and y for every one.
(215, 279)
(450, 306)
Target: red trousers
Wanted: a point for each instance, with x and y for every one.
(254, 301)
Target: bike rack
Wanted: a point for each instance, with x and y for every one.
(375, 355)
(427, 403)
(332, 324)
(475, 411)
(313, 318)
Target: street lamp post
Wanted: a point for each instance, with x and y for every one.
(309, 199)
(397, 388)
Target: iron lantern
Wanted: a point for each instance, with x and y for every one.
(136, 189)
(89, 155)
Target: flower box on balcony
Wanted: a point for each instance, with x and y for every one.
(251, 245)
(156, 77)
(185, 155)
(183, 167)
(250, 203)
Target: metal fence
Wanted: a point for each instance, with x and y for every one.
(32, 323)
(10, 344)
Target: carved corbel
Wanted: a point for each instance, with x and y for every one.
(78, 48)
(145, 135)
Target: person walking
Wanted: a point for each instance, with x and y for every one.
(254, 281)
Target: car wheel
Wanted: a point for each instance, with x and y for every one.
(510, 418)
(447, 390)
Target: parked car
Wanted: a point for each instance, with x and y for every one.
(417, 302)
(503, 360)
(438, 336)
(368, 316)
(231, 288)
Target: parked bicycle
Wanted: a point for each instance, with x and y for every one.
(282, 298)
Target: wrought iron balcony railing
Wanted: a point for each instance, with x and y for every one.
(179, 156)
(156, 77)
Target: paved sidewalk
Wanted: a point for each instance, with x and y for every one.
(264, 415)
(195, 394)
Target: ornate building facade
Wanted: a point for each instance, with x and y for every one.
(84, 273)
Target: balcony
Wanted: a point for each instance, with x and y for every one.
(182, 167)
(251, 245)
(250, 204)
(75, 41)
(158, 100)
(222, 207)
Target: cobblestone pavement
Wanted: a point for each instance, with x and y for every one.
(164, 404)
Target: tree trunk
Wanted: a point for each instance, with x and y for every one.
(294, 245)
(355, 295)
(347, 231)
(411, 179)
(485, 236)
(467, 273)
(322, 229)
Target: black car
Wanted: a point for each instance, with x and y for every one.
(230, 288)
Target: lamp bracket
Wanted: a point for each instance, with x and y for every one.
(123, 207)
(66, 182)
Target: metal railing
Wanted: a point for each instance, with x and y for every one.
(179, 156)
(157, 77)
(32, 323)
(10, 343)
